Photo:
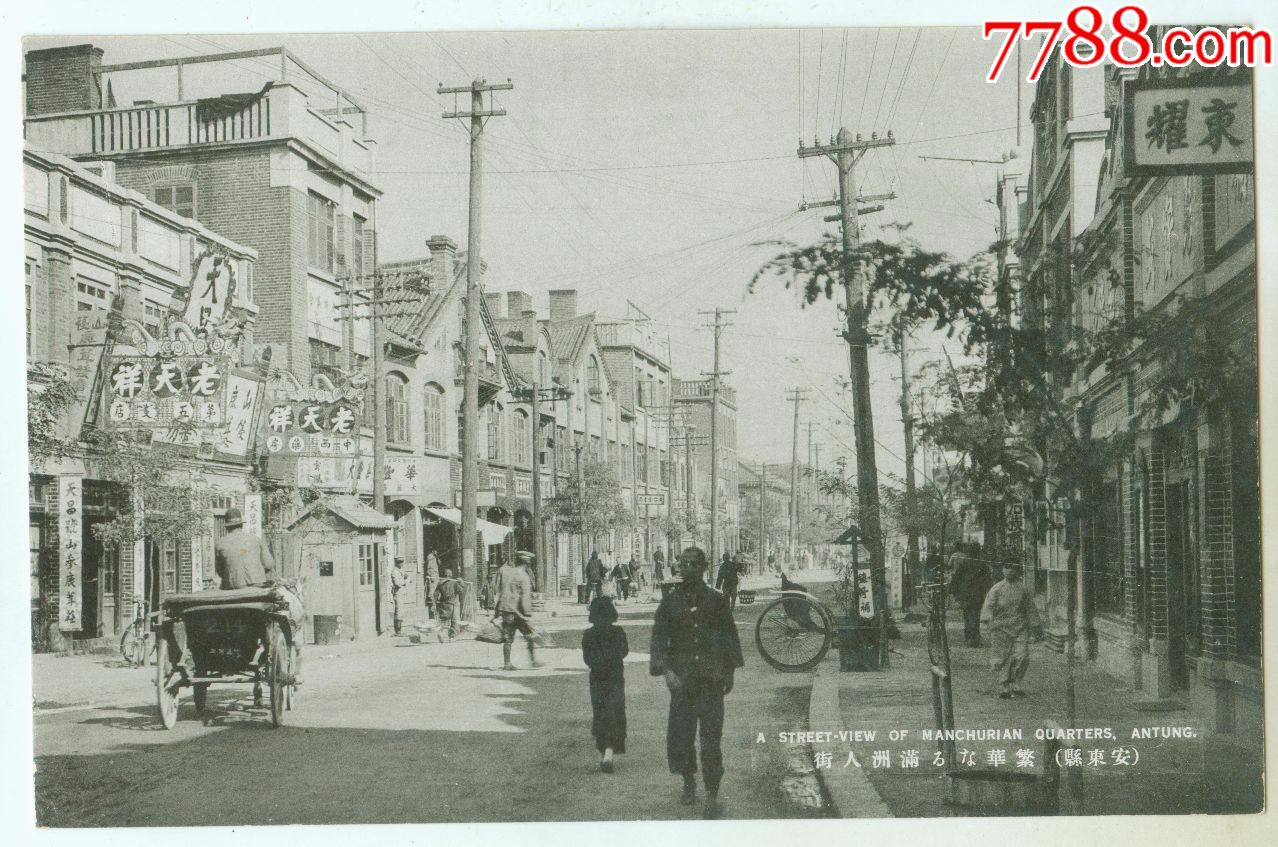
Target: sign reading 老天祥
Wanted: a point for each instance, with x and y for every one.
(1188, 126)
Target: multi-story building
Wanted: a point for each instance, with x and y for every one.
(118, 289)
(696, 398)
(640, 367)
(1169, 566)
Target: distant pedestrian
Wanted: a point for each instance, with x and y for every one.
(398, 584)
(432, 579)
(621, 582)
(448, 596)
(728, 580)
(603, 647)
(1012, 619)
(658, 566)
(636, 576)
(970, 581)
(695, 647)
(594, 574)
(514, 606)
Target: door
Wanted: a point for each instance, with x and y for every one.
(108, 589)
(367, 619)
(90, 581)
(327, 578)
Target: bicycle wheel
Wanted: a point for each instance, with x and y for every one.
(130, 645)
(793, 634)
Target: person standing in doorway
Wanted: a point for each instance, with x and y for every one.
(696, 649)
(398, 585)
(1012, 620)
(603, 648)
(514, 607)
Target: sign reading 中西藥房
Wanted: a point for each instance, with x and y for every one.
(1188, 126)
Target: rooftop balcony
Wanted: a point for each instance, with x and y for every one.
(300, 106)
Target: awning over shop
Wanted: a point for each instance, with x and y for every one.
(494, 533)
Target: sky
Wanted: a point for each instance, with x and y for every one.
(657, 166)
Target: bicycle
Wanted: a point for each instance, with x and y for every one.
(137, 644)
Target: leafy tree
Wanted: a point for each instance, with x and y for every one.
(595, 505)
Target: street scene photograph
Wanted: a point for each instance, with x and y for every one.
(643, 425)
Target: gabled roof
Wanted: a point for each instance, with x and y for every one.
(349, 508)
(568, 337)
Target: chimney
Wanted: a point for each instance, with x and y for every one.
(563, 304)
(443, 260)
(517, 302)
(61, 79)
(493, 300)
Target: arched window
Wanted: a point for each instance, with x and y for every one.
(433, 410)
(592, 377)
(522, 450)
(396, 408)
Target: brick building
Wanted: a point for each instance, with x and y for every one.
(1169, 575)
(100, 257)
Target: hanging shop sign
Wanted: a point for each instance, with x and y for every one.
(70, 556)
(1188, 126)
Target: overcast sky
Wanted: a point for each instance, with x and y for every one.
(644, 166)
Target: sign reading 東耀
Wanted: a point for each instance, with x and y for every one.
(1188, 126)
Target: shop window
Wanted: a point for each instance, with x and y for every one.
(365, 564)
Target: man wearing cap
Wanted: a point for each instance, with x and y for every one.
(398, 582)
(514, 607)
(1011, 619)
(242, 559)
(695, 647)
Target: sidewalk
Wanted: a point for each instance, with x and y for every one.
(1177, 775)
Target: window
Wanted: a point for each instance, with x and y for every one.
(91, 296)
(319, 242)
(627, 465)
(396, 409)
(592, 376)
(496, 443)
(110, 581)
(168, 567)
(177, 198)
(357, 246)
(325, 358)
(433, 403)
(522, 451)
(366, 564)
(152, 317)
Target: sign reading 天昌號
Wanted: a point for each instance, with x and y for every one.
(1188, 126)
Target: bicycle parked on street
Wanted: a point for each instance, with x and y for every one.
(137, 643)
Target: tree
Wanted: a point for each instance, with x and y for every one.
(594, 506)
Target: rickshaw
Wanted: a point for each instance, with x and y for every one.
(794, 632)
(236, 636)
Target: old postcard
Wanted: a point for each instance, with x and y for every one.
(645, 425)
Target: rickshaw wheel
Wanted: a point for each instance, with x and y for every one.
(166, 696)
(793, 634)
(277, 673)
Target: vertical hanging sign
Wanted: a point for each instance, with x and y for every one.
(70, 555)
(253, 514)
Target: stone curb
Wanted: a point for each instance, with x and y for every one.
(851, 793)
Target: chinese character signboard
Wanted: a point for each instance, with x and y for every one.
(1187, 126)
(174, 396)
(70, 513)
(253, 514)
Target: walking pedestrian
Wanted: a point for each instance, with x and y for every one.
(448, 602)
(1012, 619)
(594, 576)
(970, 581)
(432, 579)
(696, 648)
(729, 580)
(603, 647)
(620, 582)
(398, 582)
(514, 606)
(658, 566)
(636, 576)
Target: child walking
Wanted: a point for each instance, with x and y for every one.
(604, 647)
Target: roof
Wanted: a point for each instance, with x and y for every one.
(568, 337)
(349, 508)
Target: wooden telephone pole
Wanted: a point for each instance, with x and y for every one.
(470, 383)
(718, 327)
(845, 151)
(795, 396)
(907, 422)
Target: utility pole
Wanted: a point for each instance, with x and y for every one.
(533, 396)
(719, 326)
(763, 493)
(907, 423)
(845, 151)
(689, 504)
(474, 263)
(795, 396)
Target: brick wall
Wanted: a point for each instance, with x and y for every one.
(1156, 599)
(1217, 548)
(61, 79)
(234, 198)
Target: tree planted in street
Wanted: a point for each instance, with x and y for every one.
(594, 506)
